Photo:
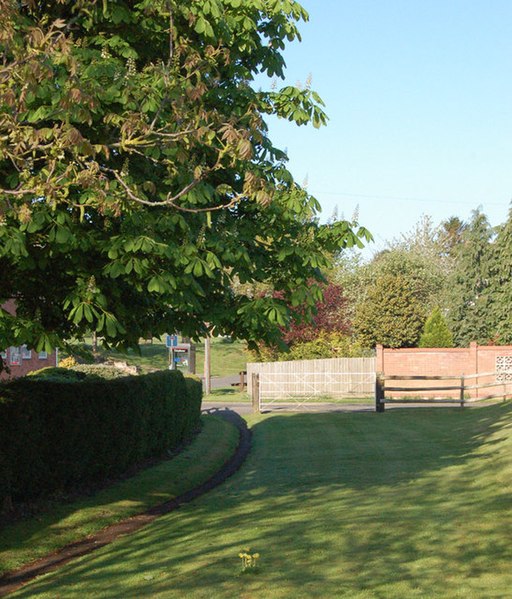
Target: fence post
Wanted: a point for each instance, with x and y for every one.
(242, 380)
(462, 391)
(380, 405)
(255, 393)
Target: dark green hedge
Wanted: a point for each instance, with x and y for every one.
(56, 435)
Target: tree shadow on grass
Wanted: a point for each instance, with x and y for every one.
(407, 503)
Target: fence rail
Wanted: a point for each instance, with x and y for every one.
(461, 389)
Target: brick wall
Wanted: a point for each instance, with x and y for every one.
(21, 360)
(453, 362)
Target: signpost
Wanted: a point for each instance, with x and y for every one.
(171, 341)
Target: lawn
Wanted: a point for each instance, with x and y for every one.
(227, 358)
(59, 524)
(410, 503)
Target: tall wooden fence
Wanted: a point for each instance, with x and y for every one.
(332, 378)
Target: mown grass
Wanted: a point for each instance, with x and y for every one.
(60, 524)
(405, 504)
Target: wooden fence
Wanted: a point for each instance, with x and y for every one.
(309, 379)
(454, 390)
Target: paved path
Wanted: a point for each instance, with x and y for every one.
(244, 408)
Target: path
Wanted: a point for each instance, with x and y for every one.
(14, 580)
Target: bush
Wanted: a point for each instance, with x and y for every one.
(56, 435)
(68, 362)
(57, 374)
(101, 370)
(327, 345)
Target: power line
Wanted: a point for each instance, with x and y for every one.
(402, 198)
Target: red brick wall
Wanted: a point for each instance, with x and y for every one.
(25, 365)
(442, 362)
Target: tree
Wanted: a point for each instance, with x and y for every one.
(391, 313)
(426, 277)
(470, 309)
(436, 332)
(501, 282)
(321, 333)
(450, 234)
(329, 317)
(137, 177)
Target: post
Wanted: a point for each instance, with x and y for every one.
(462, 391)
(207, 366)
(255, 393)
(380, 404)
(242, 380)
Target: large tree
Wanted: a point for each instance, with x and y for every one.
(471, 312)
(392, 313)
(501, 282)
(137, 177)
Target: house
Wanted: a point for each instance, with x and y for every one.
(22, 360)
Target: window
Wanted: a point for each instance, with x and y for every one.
(26, 353)
(43, 355)
(15, 356)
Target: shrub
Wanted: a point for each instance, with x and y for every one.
(56, 435)
(57, 374)
(327, 345)
(101, 370)
(68, 362)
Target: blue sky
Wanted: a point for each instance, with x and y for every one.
(419, 96)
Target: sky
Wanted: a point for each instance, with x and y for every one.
(419, 99)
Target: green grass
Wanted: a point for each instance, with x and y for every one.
(226, 358)
(59, 525)
(409, 503)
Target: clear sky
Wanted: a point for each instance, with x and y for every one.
(419, 97)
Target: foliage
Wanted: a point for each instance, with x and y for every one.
(436, 332)
(68, 362)
(392, 313)
(329, 317)
(470, 314)
(501, 283)
(56, 435)
(137, 178)
(104, 371)
(426, 276)
(327, 345)
(58, 374)
(321, 335)
(450, 235)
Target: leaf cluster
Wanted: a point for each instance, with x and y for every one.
(137, 178)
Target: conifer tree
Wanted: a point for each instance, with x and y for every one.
(436, 332)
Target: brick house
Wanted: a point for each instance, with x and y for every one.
(22, 360)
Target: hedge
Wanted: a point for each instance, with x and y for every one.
(57, 434)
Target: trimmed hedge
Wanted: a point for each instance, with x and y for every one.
(56, 435)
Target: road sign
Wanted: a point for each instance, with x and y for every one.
(171, 341)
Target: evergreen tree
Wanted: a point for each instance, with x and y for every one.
(470, 314)
(436, 332)
(501, 287)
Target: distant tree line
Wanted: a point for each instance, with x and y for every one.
(436, 286)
